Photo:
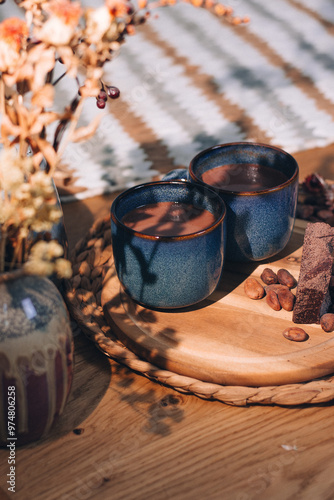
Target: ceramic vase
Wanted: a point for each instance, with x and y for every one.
(36, 358)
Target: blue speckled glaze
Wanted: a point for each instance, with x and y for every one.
(259, 224)
(165, 272)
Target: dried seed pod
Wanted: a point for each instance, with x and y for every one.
(253, 289)
(272, 300)
(286, 298)
(295, 334)
(327, 322)
(286, 278)
(268, 276)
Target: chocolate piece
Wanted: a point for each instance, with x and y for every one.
(313, 297)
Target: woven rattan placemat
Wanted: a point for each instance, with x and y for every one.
(91, 259)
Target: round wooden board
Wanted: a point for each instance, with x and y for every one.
(227, 339)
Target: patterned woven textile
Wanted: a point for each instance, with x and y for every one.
(189, 81)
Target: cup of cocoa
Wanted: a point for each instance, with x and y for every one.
(168, 241)
(259, 185)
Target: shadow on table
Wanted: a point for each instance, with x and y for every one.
(159, 407)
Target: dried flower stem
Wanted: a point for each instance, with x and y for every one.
(11, 275)
(73, 123)
(59, 78)
(2, 97)
(17, 251)
(3, 242)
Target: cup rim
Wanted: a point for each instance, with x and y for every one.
(289, 181)
(196, 234)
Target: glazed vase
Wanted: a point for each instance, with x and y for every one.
(36, 358)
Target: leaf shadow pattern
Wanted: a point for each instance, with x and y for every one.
(159, 410)
(141, 328)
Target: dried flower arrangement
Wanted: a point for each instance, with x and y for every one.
(55, 34)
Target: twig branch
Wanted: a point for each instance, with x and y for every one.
(73, 123)
(59, 78)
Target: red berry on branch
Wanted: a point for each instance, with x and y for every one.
(100, 103)
(102, 95)
(113, 92)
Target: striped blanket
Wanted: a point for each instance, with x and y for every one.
(189, 81)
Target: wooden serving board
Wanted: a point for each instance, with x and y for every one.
(227, 339)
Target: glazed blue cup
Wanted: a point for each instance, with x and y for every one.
(259, 223)
(167, 272)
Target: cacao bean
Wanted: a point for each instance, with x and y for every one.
(295, 334)
(272, 300)
(276, 287)
(327, 322)
(286, 278)
(286, 299)
(253, 289)
(268, 276)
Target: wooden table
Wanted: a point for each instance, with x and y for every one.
(125, 437)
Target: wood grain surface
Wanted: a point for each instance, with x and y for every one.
(124, 437)
(228, 338)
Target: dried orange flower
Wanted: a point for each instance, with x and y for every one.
(97, 23)
(60, 26)
(118, 8)
(13, 37)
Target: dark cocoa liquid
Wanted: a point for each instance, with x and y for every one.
(168, 219)
(247, 177)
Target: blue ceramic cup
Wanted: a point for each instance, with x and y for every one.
(168, 271)
(260, 218)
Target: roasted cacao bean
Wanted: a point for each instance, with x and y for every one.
(295, 334)
(253, 289)
(286, 278)
(268, 276)
(276, 287)
(327, 322)
(272, 300)
(286, 299)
